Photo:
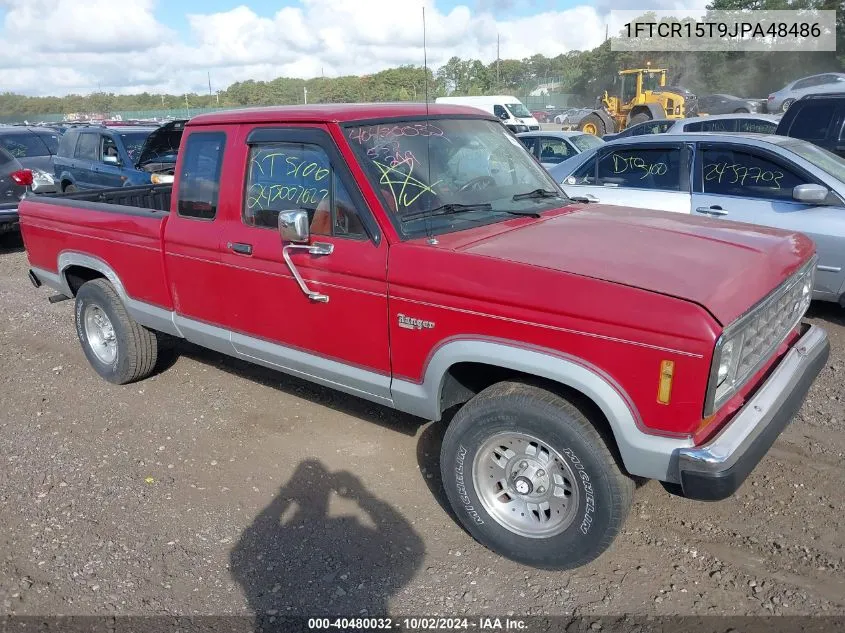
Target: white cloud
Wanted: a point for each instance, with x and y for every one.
(64, 46)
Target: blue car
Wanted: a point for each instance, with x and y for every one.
(97, 157)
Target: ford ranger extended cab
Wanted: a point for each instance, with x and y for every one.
(422, 259)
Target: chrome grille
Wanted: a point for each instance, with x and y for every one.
(771, 322)
(747, 343)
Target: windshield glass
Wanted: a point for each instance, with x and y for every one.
(24, 145)
(518, 110)
(419, 166)
(134, 143)
(586, 141)
(821, 158)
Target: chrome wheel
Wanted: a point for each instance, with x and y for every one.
(525, 485)
(100, 334)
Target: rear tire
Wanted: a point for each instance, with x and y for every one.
(786, 105)
(531, 478)
(70, 189)
(741, 111)
(642, 117)
(592, 124)
(119, 349)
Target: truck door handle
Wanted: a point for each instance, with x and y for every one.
(714, 210)
(240, 247)
(317, 249)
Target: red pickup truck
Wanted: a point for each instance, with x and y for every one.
(422, 259)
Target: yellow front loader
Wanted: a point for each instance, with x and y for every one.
(641, 95)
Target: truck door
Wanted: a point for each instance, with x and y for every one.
(192, 232)
(340, 337)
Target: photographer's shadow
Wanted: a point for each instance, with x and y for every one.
(295, 559)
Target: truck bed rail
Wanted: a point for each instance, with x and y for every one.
(151, 197)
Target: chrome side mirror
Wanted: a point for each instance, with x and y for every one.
(294, 226)
(810, 193)
(111, 160)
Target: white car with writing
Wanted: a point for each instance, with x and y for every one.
(760, 179)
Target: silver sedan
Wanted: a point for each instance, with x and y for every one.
(759, 179)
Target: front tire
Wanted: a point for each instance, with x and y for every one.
(592, 124)
(118, 348)
(531, 478)
(786, 104)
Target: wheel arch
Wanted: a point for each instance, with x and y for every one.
(77, 268)
(641, 453)
(654, 110)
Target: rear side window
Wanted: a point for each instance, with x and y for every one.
(647, 168)
(731, 173)
(716, 125)
(88, 147)
(500, 112)
(199, 179)
(757, 126)
(812, 120)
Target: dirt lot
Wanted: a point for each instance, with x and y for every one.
(164, 497)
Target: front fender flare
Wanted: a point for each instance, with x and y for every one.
(642, 453)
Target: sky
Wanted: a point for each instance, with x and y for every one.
(58, 47)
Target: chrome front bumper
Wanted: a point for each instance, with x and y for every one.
(715, 470)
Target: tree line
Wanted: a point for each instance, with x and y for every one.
(584, 74)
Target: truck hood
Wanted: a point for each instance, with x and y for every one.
(162, 144)
(726, 267)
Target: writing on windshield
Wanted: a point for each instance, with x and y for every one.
(471, 166)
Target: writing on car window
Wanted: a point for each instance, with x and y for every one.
(728, 172)
(294, 176)
(641, 168)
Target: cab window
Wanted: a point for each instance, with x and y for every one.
(199, 180)
(293, 176)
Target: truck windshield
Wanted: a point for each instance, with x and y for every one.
(518, 110)
(445, 175)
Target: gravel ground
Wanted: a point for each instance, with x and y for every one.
(164, 497)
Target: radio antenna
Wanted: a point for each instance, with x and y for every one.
(431, 238)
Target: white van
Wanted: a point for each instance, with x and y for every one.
(509, 109)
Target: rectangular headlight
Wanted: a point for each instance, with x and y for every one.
(747, 343)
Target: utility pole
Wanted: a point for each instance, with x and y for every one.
(187, 108)
(209, 83)
(497, 59)
(606, 31)
(305, 94)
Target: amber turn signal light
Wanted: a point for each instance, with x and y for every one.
(664, 386)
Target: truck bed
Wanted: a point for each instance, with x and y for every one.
(121, 226)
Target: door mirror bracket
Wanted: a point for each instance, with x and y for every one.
(294, 227)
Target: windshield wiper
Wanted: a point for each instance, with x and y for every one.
(447, 209)
(580, 199)
(532, 214)
(537, 193)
